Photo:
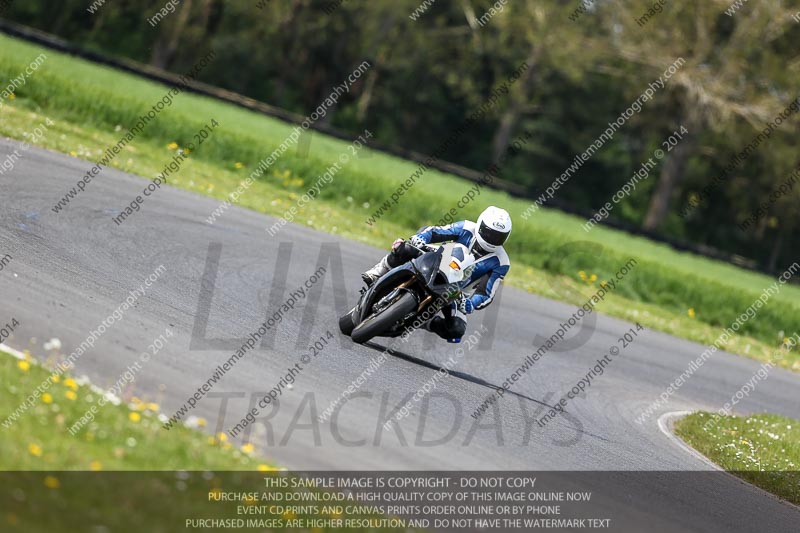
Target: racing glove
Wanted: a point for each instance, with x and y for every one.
(465, 305)
(417, 242)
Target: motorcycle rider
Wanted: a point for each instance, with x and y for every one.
(484, 239)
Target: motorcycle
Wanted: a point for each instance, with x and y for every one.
(410, 295)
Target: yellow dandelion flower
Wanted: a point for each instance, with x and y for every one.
(24, 365)
(187, 151)
(265, 468)
(35, 449)
(238, 165)
(71, 395)
(593, 278)
(55, 378)
(691, 312)
(152, 406)
(248, 448)
(71, 383)
(133, 416)
(51, 482)
(582, 274)
(47, 398)
(12, 96)
(95, 466)
(226, 446)
(212, 440)
(222, 437)
(201, 422)
(172, 146)
(73, 153)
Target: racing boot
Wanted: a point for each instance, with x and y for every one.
(373, 274)
(450, 328)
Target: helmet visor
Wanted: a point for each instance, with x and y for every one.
(491, 235)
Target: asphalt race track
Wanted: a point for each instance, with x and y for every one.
(71, 270)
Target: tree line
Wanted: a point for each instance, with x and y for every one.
(587, 63)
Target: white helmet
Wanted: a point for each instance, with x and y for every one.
(494, 227)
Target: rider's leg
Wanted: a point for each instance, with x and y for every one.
(400, 253)
(451, 326)
(374, 273)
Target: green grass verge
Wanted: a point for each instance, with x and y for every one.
(121, 437)
(762, 449)
(119, 473)
(678, 293)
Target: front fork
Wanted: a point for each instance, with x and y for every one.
(377, 306)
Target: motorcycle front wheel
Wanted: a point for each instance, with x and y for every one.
(382, 321)
(346, 323)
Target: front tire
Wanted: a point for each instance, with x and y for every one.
(346, 323)
(382, 321)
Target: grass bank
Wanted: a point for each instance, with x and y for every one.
(678, 293)
(121, 437)
(123, 472)
(763, 449)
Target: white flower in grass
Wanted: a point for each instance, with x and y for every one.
(52, 344)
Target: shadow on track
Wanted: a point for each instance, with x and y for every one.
(471, 379)
(454, 373)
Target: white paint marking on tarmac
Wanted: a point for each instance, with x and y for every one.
(11, 351)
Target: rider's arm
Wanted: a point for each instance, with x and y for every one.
(434, 234)
(481, 300)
